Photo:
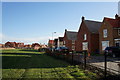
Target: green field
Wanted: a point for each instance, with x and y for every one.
(30, 64)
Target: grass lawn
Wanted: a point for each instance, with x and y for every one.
(22, 64)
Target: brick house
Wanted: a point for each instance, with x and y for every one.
(28, 46)
(60, 41)
(69, 39)
(20, 45)
(44, 46)
(109, 33)
(50, 43)
(11, 44)
(1, 45)
(36, 46)
(88, 36)
(55, 43)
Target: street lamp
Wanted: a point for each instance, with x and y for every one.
(52, 34)
(52, 39)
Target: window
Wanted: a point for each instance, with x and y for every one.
(117, 43)
(64, 42)
(73, 41)
(105, 44)
(119, 32)
(105, 33)
(85, 36)
(73, 47)
(85, 45)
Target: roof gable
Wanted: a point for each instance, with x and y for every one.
(93, 26)
(113, 22)
(71, 35)
(51, 41)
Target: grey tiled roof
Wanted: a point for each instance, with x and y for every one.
(93, 26)
(71, 35)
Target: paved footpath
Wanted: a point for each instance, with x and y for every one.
(98, 61)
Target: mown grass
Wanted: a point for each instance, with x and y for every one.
(22, 64)
(19, 51)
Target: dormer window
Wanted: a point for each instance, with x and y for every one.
(119, 32)
(85, 36)
(105, 33)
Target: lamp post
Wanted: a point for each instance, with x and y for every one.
(52, 39)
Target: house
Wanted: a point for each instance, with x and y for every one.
(43, 46)
(60, 41)
(1, 45)
(109, 33)
(55, 43)
(28, 46)
(50, 43)
(69, 39)
(11, 44)
(88, 36)
(20, 45)
(36, 46)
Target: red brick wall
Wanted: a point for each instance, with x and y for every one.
(68, 43)
(92, 39)
(105, 25)
(94, 43)
(10, 44)
(80, 37)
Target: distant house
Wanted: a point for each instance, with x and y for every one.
(50, 43)
(20, 45)
(11, 44)
(36, 46)
(69, 39)
(28, 46)
(60, 41)
(1, 45)
(55, 43)
(109, 33)
(88, 36)
(43, 46)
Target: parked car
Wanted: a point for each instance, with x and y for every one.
(112, 51)
(62, 49)
(52, 49)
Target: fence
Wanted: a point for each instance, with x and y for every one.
(103, 65)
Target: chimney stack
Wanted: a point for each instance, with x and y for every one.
(83, 18)
(116, 16)
(65, 30)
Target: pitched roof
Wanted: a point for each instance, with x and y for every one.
(114, 22)
(71, 35)
(35, 44)
(93, 26)
(51, 41)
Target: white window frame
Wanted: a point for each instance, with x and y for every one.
(64, 42)
(73, 41)
(105, 33)
(105, 44)
(73, 47)
(85, 36)
(85, 45)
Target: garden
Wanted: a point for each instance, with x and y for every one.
(31, 64)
